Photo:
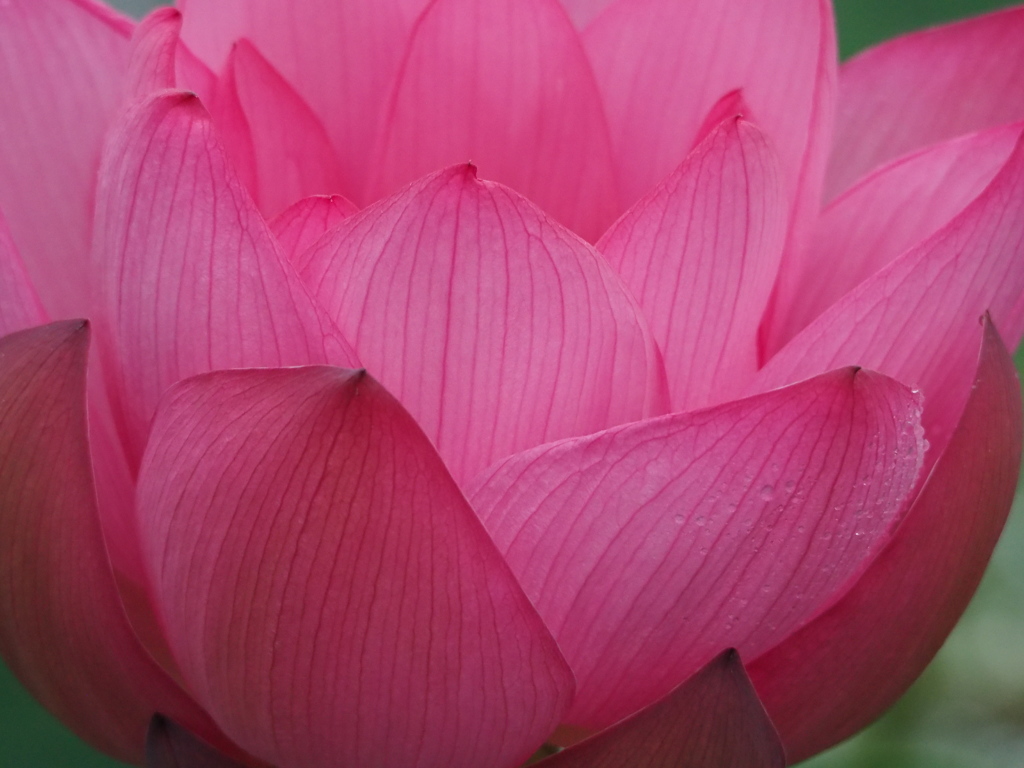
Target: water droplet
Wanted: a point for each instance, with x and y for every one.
(680, 519)
(699, 521)
(767, 493)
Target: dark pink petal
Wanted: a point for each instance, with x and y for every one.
(62, 629)
(168, 745)
(154, 54)
(505, 85)
(713, 720)
(328, 593)
(927, 87)
(19, 304)
(193, 278)
(842, 670)
(291, 152)
(303, 223)
(700, 253)
(882, 216)
(916, 319)
(649, 547)
(62, 65)
(340, 55)
(662, 65)
(496, 327)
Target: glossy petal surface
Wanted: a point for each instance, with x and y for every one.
(927, 87)
(713, 720)
(61, 69)
(883, 215)
(305, 537)
(62, 628)
(193, 278)
(505, 85)
(842, 670)
(701, 253)
(496, 327)
(649, 547)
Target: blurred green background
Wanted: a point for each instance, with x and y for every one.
(966, 711)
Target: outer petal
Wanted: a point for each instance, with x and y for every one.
(302, 224)
(328, 592)
(19, 304)
(701, 253)
(193, 279)
(494, 326)
(506, 85)
(916, 319)
(713, 720)
(888, 212)
(61, 69)
(290, 150)
(649, 547)
(582, 12)
(661, 66)
(168, 745)
(359, 43)
(62, 629)
(927, 87)
(846, 667)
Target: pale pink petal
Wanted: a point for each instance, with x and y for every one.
(154, 54)
(504, 85)
(713, 720)
(882, 216)
(916, 319)
(328, 592)
(291, 152)
(582, 12)
(194, 75)
(700, 253)
(62, 629)
(662, 65)
(927, 87)
(168, 745)
(497, 328)
(193, 278)
(62, 65)
(20, 307)
(340, 55)
(302, 224)
(852, 662)
(649, 547)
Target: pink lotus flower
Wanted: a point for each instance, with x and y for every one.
(425, 477)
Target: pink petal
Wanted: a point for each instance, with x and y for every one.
(328, 592)
(291, 151)
(713, 720)
(582, 12)
(168, 745)
(661, 66)
(303, 223)
(493, 325)
(886, 213)
(842, 670)
(649, 547)
(193, 278)
(927, 87)
(19, 304)
(505, 85)
(154, 52)
(916, 319)
(340, 55)
(701, 252)
(62, 64)
(62, 629)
